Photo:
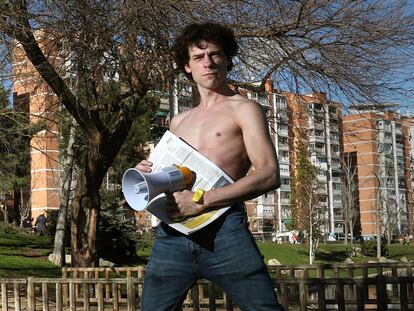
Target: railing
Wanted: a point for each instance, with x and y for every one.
(379, 286)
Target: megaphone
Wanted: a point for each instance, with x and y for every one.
(140, 188)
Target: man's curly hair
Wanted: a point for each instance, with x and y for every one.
(209, 32)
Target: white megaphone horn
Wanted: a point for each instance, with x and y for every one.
(140, 188)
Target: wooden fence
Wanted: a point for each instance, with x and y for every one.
(385, 286)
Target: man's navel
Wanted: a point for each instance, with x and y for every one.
(218, 134)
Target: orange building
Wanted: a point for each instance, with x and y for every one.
(381, 144)
(43, 108)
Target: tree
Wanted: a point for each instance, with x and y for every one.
(358, 51)
(67, 162)
(349, 195)
(118, 51)
(14, 164)
(115, 66)
(306, 213)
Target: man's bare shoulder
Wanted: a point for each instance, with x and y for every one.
(240, 101)
(175, 122)
(245, 108)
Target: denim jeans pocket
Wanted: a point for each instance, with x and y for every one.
(160, 232)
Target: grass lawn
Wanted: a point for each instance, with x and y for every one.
(296, 254)
(24, 254)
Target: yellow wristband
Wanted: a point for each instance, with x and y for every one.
(198, 195)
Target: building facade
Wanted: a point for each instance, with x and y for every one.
(317, 122)
(43, 107)
(381, 142)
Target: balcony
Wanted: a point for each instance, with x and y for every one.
(322, 166)
(322, 191)
(319, 139)
(284, 159)
(334, 128)
(316, 125)
(284, 173)
(285, 188)
(336, 179)
(283, 147)
(285, 201)
(334, 139)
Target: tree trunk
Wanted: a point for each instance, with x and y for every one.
(24, 210)
(84, 217)
(346, 229)
(59, 247)
(311, 255)
(351, 230)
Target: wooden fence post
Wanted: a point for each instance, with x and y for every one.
(115, 296)
(86, 297)
(360, 296)
(45, 297)
(59, 297)
(195, 298)
(72, 296)
(403, 296)
(381, 288)
(302, 295)
(100, 296)
(212, 296)
(17, 299)
(321, 287)
(228, 303)
(31, 298)
(4, 300)
(340, 295)
(65, 289)
(130, 294)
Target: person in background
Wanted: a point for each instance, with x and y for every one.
(40, 224)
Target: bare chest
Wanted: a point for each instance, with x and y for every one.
(217, 137)
(208, 130)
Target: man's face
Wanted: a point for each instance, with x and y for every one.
(207, 64)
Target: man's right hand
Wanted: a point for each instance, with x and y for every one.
(144, 166)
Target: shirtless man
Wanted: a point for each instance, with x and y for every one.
(231, 131)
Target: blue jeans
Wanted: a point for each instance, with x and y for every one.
(223, 252)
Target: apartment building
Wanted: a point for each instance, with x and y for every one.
(317, 121)
(381, 143)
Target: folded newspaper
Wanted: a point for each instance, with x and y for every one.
(172, 150)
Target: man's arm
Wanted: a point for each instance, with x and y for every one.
(265, 177)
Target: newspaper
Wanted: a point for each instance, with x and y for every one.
(172, 150)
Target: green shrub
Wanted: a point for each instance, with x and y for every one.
(369, 248)
(117, 239)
